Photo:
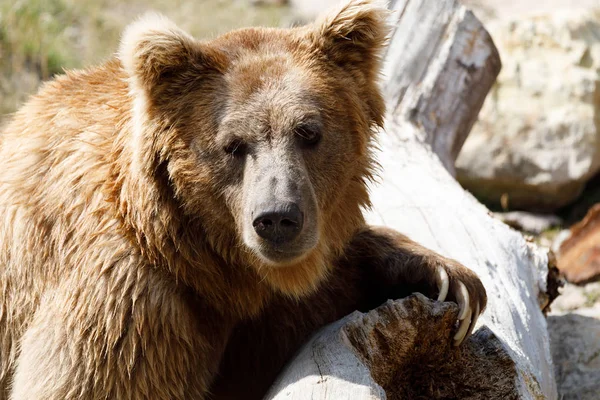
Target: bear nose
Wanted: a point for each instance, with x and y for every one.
(279, 225)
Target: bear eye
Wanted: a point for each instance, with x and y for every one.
(236, 148)
(309, 135)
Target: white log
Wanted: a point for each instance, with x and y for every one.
(440, 64)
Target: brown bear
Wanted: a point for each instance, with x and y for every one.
(176, 222)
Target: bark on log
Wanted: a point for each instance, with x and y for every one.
(440, 64)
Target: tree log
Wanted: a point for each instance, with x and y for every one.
(440, 65)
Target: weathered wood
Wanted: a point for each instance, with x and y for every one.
(401, 350)
(440, 64)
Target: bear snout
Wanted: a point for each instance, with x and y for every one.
(278, 223)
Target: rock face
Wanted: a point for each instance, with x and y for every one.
(574, 328)
(537, 140)
(575, 349)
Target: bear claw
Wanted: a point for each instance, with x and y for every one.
(443, 283)
(467, 315)
(463, 301)
(463, 328)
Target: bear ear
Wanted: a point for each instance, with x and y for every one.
(354, 33)
(154, 51)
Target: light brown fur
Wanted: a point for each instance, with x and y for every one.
(123, 272)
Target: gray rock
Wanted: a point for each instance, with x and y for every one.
(537, 141)
(575, 345)
(574, 327)
(571, 298)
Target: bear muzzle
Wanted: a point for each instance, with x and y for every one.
(279, 223)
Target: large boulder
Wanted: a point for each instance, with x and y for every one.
(574, 327)
(537, 141)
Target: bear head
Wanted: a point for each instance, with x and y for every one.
(265, 135)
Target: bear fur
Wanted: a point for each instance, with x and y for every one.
(128, 265)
